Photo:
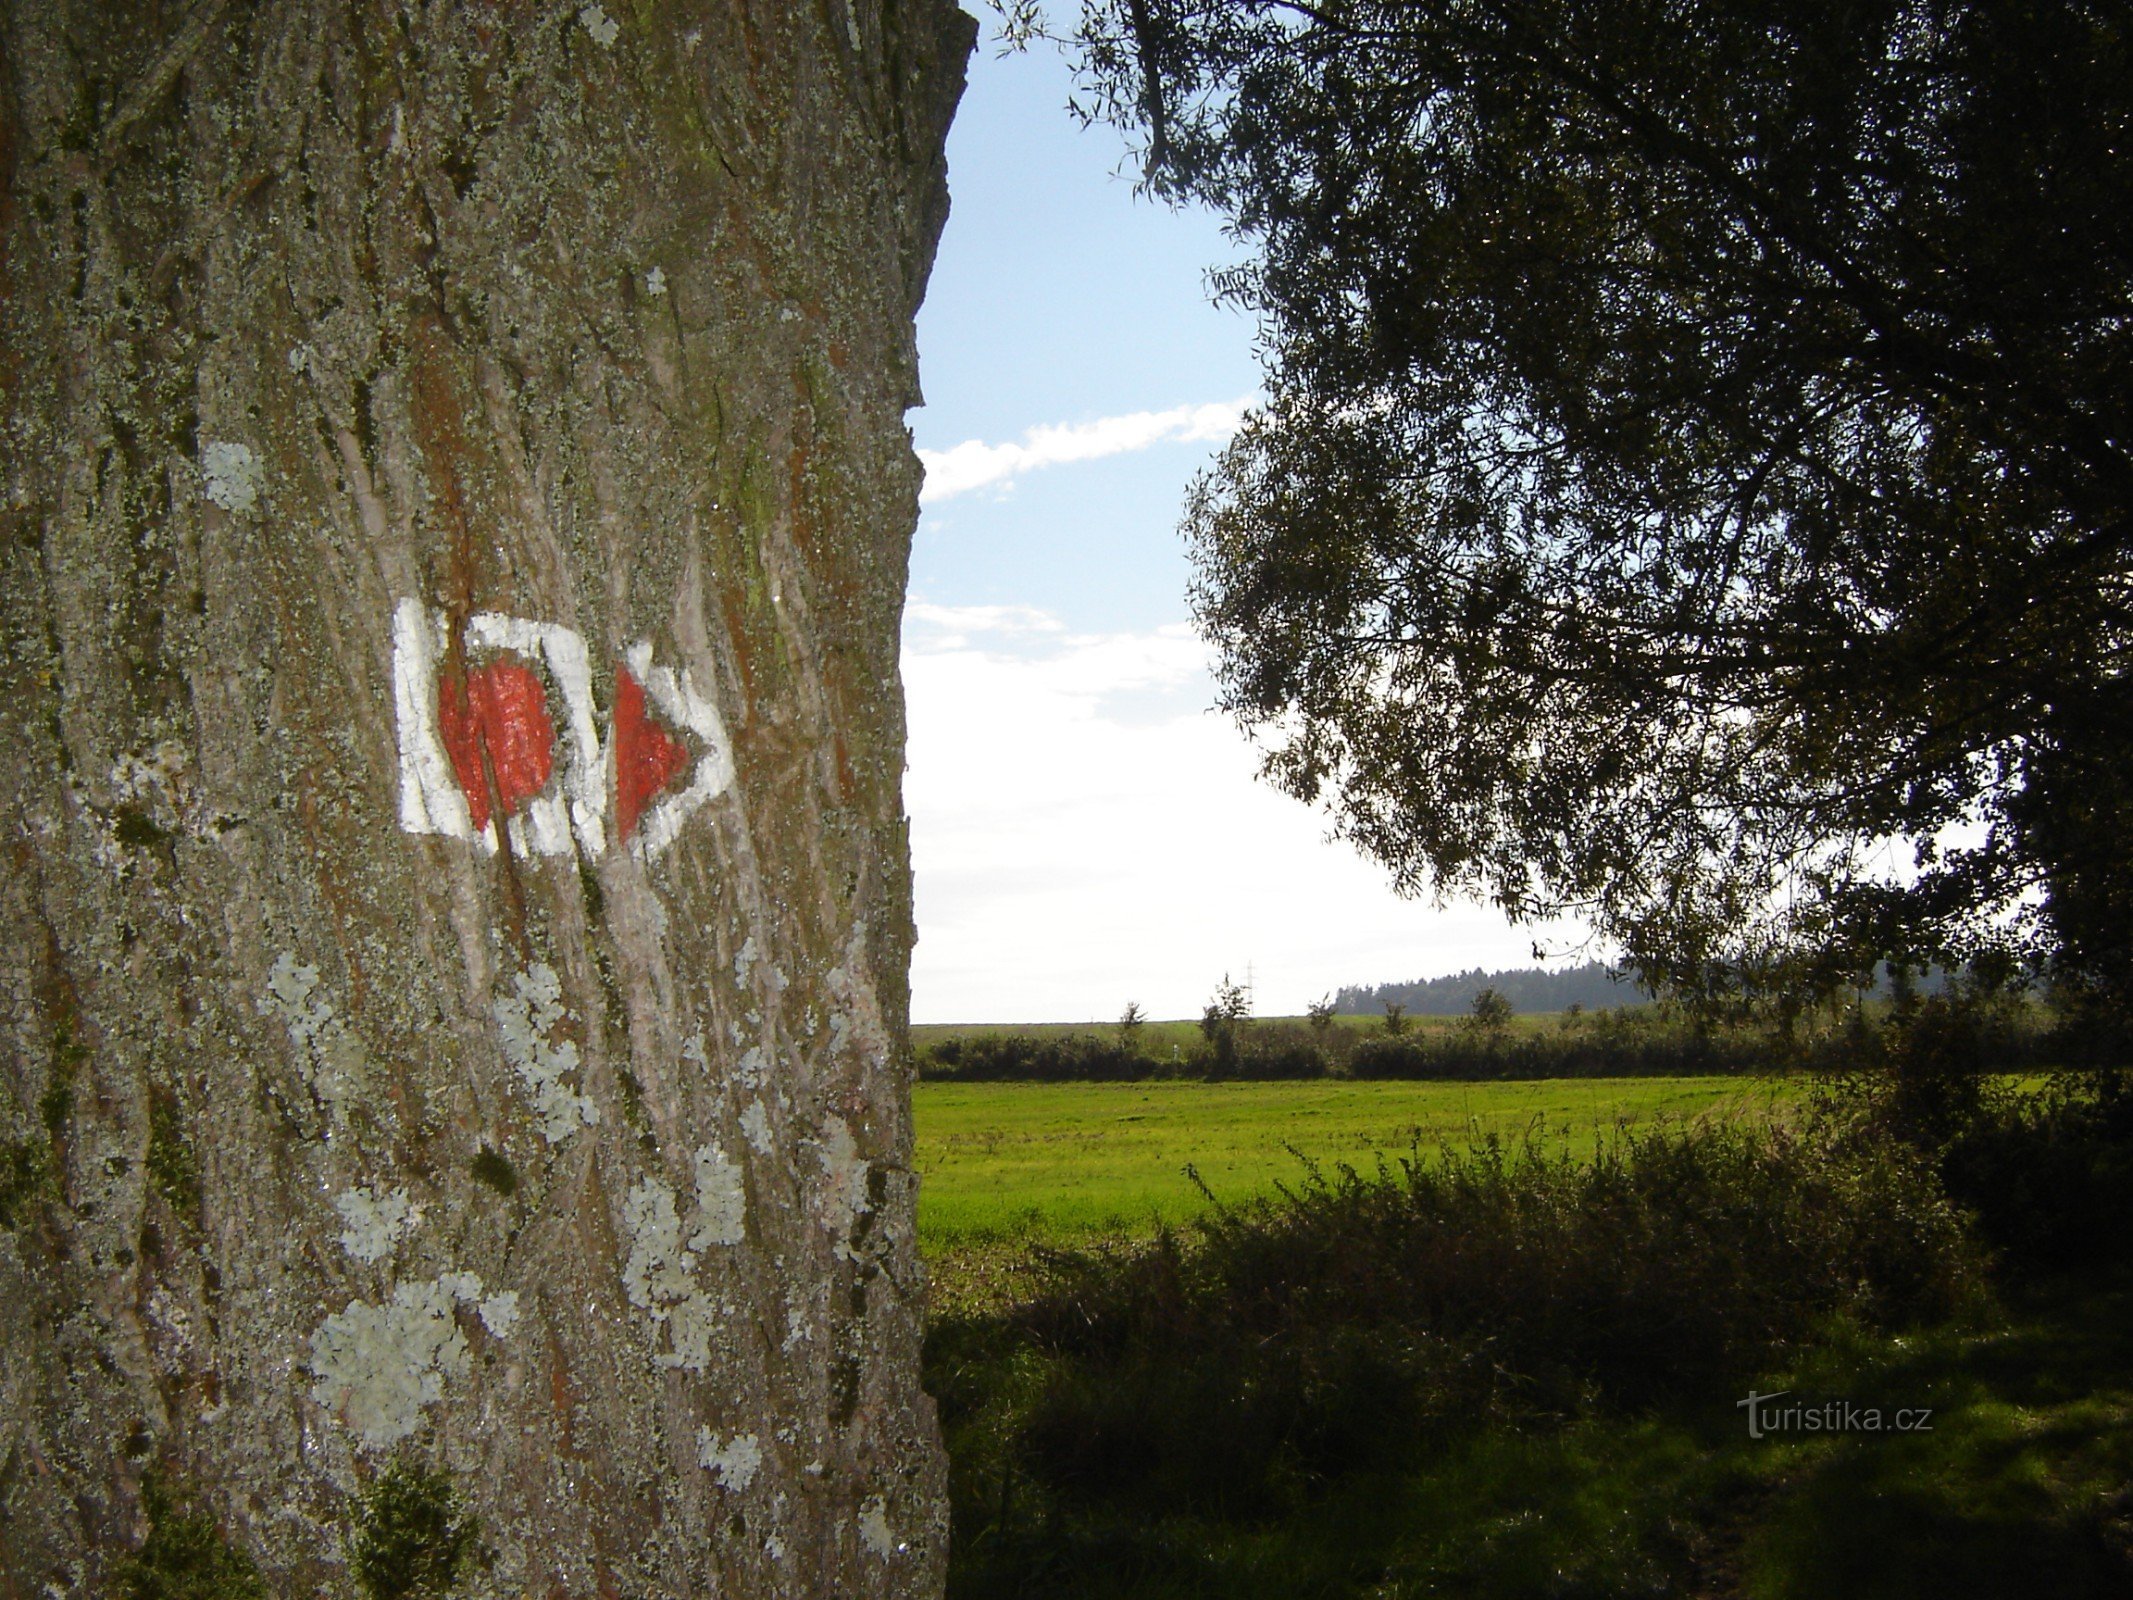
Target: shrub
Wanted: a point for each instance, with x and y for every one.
(2051, 1177)
(1277, 1050)
(1345, 1324)
(1031, 1058)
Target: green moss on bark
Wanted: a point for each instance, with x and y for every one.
(185, 1557)
(413, 1536)
(56, 1104)
(496, 1171)
(171, 1163)
(24, 1165)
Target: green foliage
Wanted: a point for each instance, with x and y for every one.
(1019, 1057)
(413, 1539)
(1698, 453)
(2000, 1033)
(1225, 1014)
(1130, 1023)
(1489, 1018)
(495, 1170)
(1395, 1022)
(185, 1556)
(2019, 1489)
(2050, 1177)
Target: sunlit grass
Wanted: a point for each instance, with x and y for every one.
(1064, 1161)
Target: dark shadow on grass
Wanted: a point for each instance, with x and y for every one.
(2024, 1486)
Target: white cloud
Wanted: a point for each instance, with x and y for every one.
(1070, 857)
(952, 626)
(973, 464)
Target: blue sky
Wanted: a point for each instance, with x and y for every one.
(1085, 830)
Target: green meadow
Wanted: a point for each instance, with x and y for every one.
(1509, 1358)
(1065, 1160)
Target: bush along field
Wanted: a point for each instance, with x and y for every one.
(1514, 1370)
(1490, 1043)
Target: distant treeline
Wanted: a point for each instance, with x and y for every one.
(1958, 1032)
(1608, 1044)
(1591, 987)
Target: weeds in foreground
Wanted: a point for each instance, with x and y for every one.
(1294, 1364)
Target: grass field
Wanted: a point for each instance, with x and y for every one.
(1503, 1379)
(1064, 1160)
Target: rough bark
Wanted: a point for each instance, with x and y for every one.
(557, 1181)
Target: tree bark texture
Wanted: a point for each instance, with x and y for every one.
(454, 909)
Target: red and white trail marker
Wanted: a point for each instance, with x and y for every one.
(491, 746)
(654, 817)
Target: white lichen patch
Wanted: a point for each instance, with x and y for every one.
(657, 1272)
(655, 282)
(844, 1176)
(291, 987)
(604, 29)
(874, 1526)
(734, 1463)
(499, 1312)
(855, 1020)
(375, 1223)
(329, 1056)
(231, 474)
(659, 1275)
(755, 1127)
(721, 1199)
(526, 1019)
(692, 1328)
(379, 1366)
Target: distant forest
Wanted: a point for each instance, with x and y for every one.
(1533, 989)
(1527, 988)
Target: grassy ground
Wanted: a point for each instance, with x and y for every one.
(1059, 1161)
(2020, 1487)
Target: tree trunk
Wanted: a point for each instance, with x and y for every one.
(454, 912)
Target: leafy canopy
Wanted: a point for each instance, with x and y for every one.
(1697, 467)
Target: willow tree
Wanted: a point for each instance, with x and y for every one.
(1698, 465)
(454, 911)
